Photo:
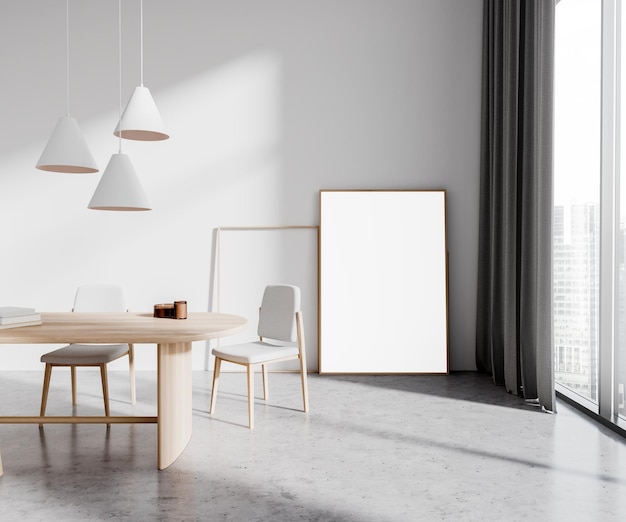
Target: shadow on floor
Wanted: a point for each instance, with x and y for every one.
(467, 386)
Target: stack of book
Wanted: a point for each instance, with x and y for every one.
(15, 316)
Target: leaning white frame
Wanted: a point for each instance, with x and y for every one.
(216, 277)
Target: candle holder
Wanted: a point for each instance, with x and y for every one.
(180, 309)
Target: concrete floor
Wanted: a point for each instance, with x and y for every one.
(393, 448)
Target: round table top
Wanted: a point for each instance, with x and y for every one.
(123, 327)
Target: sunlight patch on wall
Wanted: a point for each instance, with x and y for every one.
(221, 166)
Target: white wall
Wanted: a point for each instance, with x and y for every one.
(267, 102)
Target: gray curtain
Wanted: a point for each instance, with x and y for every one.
(514, 318)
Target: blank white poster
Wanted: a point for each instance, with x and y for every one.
(383, 282)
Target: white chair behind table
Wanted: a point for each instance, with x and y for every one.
(91, 298)
(280, 319)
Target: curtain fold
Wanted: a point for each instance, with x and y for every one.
(514, 312)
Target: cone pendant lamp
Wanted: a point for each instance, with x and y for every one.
(141, 119)
(119, 187)
(67, 150)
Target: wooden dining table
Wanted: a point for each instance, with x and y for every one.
(174, 379)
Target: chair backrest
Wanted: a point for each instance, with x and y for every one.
(100, 298)
(277, 319)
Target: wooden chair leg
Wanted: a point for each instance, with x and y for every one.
(266, 390)
(250, 396)
(74, 393)
(305, 388)
(105, 389)
(44, 393)
(303, 373)
(131, 372)
(216, 380)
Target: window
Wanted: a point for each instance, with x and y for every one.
(589, 234)
(620, 241)
(577, 194)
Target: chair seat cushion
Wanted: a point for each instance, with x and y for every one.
(254, 353)
(77, 354)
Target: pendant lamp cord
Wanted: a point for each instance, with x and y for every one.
(119, 62)
(141, 39)
(67, 56)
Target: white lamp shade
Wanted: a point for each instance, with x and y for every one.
(67, 150)
(119, 187)
(141, 119)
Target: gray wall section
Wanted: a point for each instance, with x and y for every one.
(366, 94)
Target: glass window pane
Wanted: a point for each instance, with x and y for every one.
(620, 349)
(576, 235)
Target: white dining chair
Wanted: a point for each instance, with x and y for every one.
(91, 298)
(281, 338)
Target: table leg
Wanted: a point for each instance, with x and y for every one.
(174, 401)
(1, 472)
